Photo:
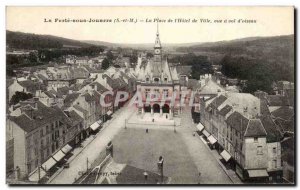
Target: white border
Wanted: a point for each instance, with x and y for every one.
(3, 4)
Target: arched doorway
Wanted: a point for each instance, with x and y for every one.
(147, 108)
(156, 108)
(166, 108)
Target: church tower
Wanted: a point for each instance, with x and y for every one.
(157, 48)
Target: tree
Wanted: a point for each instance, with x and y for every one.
(105, 64)
(19, 96)
(109, 55)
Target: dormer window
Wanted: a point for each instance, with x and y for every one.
(165, 79)
(156, 79)
(147, 79)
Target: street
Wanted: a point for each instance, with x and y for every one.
(91, 151)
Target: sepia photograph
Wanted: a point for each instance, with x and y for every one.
(141, 95)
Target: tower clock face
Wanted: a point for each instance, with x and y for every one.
(157, 51)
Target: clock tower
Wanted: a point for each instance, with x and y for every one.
(157, 48)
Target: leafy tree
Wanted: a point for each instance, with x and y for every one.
(149, 55)
(109, 55)
(20, 96)
(105, 64)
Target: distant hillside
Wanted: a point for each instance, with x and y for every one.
(243, 44)
(20, 40)
(139, 46)
(275, 53)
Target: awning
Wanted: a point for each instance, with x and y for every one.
(35, 175)
(109, 113)
(200, 127)
(258, 173)
(48, 164)
(95, 126)
(100, 122)
(58, 156)
(212, 139)
(204, 132)
(225, 155)
(67, 148)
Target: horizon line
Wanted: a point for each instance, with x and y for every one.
(148, 43)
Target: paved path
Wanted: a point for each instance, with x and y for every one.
(207, 165)
(92, 151)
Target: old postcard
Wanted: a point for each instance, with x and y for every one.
(150, 95)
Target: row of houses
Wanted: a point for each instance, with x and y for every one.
(248, 139)
(42, 131)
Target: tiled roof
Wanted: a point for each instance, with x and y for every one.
(290, 95)
(69, 99)
(80, 73)
(49, 94)
(211, 87)
(286, 126)
(184, 70)
(283, 112)
(225, 110)
(79, 108)
(31, 86)
(88, 97)
(255, 129)
(218, 101)
(277, 100)
(113, 84)
(33, 118)
(62, 91)
(193, 84)
(74, 118)
(237, 121)
(100, 88)
(273, 131)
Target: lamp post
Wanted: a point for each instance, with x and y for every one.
(160, 165)
(174, 127)
(146, 176)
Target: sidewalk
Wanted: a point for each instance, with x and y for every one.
(230, 173)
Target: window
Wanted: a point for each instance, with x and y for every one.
(41, 133)
(166, 92)
(147, 79)
(156, 80)
(259, 150)
(36, 163)
(156, 93)
(35, 151)
(166, 79)
(147, 92)
(274, 163)
(255, 139)
(274, 150)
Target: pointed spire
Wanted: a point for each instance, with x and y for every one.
(157, 40)
(157, 32)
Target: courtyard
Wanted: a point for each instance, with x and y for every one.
(185, 155)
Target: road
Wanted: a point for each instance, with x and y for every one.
(207, 165)
(91, 151)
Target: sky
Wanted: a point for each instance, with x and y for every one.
(270, 21)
